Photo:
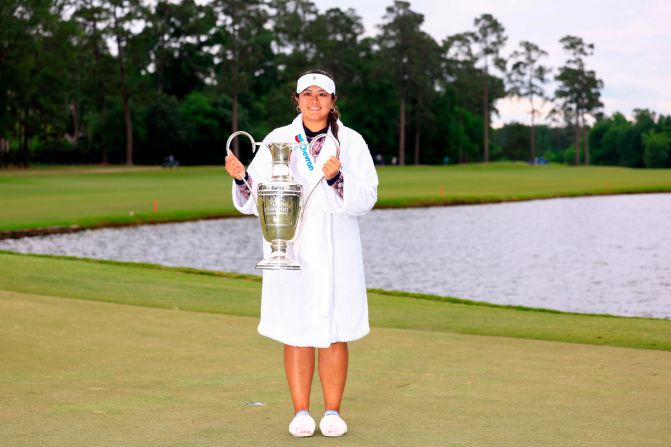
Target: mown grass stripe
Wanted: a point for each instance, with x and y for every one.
(249, 277)
(150, 285)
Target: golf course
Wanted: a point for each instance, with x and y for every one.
(100, 196)
(106, 353)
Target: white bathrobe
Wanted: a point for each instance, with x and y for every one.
(326, 301)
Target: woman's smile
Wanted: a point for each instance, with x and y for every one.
(314, 102)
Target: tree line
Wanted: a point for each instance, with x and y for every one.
(121, 81)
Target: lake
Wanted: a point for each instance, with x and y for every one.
(608, 254)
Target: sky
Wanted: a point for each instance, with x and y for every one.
(632, 41)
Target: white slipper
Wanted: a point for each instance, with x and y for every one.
(302, 425)
(332, 424)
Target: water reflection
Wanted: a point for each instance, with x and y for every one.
(599, 254)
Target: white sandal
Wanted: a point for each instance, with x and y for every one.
(332, 424)
(302, 425)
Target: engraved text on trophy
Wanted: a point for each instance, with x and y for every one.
(279, 214)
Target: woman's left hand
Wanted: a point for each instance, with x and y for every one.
(331, 168)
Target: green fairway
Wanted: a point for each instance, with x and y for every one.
(76, 372)
(58, 197)
(475, 183)
(239, 295)
(44, 197)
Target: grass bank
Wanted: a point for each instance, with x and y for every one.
(103, 196)
(234, 294)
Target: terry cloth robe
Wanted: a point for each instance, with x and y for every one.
(326, 301)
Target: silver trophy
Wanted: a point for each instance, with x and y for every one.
(280, 201)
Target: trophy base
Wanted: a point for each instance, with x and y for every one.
(278, 259)
(278, 264)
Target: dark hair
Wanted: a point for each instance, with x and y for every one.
(334, 115)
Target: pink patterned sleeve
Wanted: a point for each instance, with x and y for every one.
(338, 184)
(244, 191)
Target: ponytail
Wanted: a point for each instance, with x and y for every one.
(333, 117)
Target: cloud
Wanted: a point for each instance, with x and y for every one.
(631, 39)
(513, 109)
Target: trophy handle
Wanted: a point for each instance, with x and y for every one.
(314, 140)
(254, 146)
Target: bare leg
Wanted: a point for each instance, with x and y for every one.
(333, 363)
(299, 364)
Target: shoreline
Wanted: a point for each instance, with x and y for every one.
(383, 204)
(211, 292)
(371, 290)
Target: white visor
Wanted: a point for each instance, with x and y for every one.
(317, 79)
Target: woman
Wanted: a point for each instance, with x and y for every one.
(324, 305)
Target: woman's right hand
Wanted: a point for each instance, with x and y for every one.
(234, 167)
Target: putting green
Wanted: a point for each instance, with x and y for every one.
(85, 373)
